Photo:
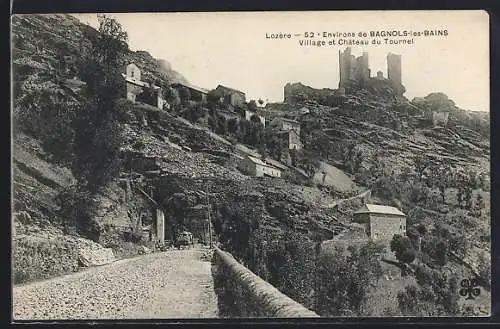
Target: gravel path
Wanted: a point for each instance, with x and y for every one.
(171, 284)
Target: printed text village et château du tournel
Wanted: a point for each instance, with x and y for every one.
(351, 38)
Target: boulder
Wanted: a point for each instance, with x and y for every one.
(94, 255)
(144, 250)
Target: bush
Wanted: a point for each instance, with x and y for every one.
(436, 247)
(345, 279)
(484, 269)
(42, 259)
(403, 249)
(290, 266)
(43, 110)
(133, 236)
(77, 208)
(435, 295)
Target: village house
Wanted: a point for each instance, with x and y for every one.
(134, 86)
(150, 222)
(291, 139)
(440, 118)
(228, 115)
(198, 94)
(249, 114)
(286, 124)
(382, 222)
(289, 132)
(258, 168)
(231, 96)
(277, 164)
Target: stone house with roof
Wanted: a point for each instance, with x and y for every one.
(382, 222)
(259, 168)
(198, 94)
(134, 86)
(440, 118)
(291, 139)
(250, 114)
(231, 96)
(288, 131)
(286, 124)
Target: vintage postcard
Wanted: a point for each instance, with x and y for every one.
(251, 164)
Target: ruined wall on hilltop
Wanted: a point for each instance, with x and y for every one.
(297, 92)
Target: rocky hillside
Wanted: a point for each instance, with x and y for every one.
(43, 41)
(373, 140)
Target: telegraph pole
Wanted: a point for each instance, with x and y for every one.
(209, 221)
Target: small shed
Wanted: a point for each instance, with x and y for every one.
(382, 222)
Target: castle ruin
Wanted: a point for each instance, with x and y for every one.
(355, 71)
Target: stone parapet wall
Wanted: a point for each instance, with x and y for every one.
(241, 293)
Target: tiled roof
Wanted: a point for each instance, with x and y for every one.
(379, 209)
(290, 120)
(230, 89)
(190, 86)
(257, 161)
(276, 163)
(138, 82)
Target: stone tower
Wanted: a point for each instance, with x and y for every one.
(363, 67)
(352, 69)
(344, 66)
(394, 69)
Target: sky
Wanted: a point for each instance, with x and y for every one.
(231, 48)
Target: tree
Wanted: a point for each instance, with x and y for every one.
(345, 280)
(214, 96)
(274, 144)
(436, 247)
(459, 244)
(440, 176)
(147, 96)
(414, 236)
(435, 295)
(290, 262)
(97, 132)
(484, 269)
(260, 101)
(232, 126)
(478, 205)
(403, 249)
(184, 94)
(45, 110)
(98, 136)
(252, 106)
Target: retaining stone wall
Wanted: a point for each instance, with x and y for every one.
(241, 293)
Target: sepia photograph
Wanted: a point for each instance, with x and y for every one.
(211, 165)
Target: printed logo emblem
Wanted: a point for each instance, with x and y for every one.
(469, 288)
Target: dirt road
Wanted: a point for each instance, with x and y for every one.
(171, 284)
